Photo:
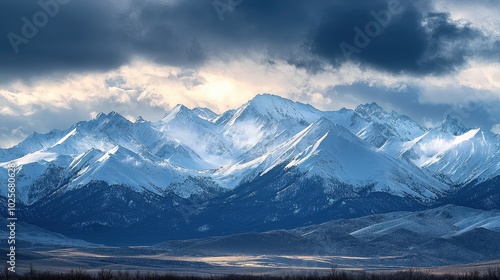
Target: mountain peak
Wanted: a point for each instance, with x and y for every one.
(179, 107)
(117, 118)
(178, 110)
(267, 95)
(369, 109)
(105, 121)
(453, 126)
(204, 113)
(323, 121)
(279, 108)
(264, 99)
(110, 115)
(140, 120)
(99, 116)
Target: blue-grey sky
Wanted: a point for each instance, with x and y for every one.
(62, 61)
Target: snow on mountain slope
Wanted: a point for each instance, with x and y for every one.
(162, 161)
(272, 107)
(120, 166)
(25, 176)
(197, 133)
(383, 126)
(434, 149)
(100, 133)
(39, 236)
(400, 125)
(31, 170)
(106, 131)
(451, 150)
(340, 156)
(376, 134)
(232, 175)
(346, 118)
(469, 157)
(331, 152)
(445, 221)
(205, 113)
(452, 126)
(123, 167)
(81, 162)
(34, 142)
(265, 122)
(376, 126)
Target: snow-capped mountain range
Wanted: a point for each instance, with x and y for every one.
(198, 155)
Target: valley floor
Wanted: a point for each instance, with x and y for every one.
(153, 260)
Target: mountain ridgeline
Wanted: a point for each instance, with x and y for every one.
(270, 164)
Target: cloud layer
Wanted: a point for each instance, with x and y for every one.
(98, 35)
(142, 57)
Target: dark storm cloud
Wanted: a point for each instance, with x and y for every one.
(89, 35)
(412, 40)
(78, 37)
(95, 35)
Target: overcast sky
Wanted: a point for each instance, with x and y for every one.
(62, 61)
